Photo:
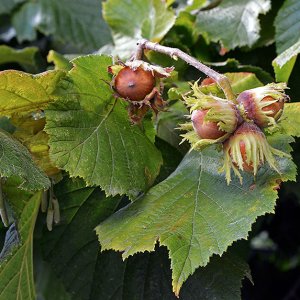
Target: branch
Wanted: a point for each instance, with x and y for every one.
(174, 53)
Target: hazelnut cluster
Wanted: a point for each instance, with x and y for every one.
(239, 127)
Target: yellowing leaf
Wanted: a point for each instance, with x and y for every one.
(22, 92)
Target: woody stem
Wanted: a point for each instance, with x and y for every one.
(174, 53)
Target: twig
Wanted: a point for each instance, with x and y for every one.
(174, 53)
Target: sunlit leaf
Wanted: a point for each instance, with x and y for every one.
(284, 63)
(60, 62)
(91, 135)
(290, 121)
(22, 92)
(233, 23)
(194, 212)
(133, 20)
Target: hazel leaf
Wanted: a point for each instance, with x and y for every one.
(234, 23)
(16, 268)
(21, 92)
(37, 144)
(73, 252)
(287, 36)
(287, 25)
(6, 6)
(16, 162)
(27, 58)
(72, 248)
(284, 63)
(194, 213)
(59, 61)
(76, 23)
(242, 81)
(131, 21)
(91, 136)
(290, 121)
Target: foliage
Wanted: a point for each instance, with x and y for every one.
(233, 23)
(106, 185)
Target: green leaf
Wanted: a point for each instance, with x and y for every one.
(79, 23)
(171, 157)
(60, 62)
(16, 271)
(287, 25)
(17, 198)
(6, 6)
(168, 122)
(194, 212)
(47, 285)
(25, 21)
(6, 125)
(220, 279)
(182, 34)
(290, 121)
(91, 136)
(26, 58)
(37, 144)
(148, 276)
(234, 23)
(15, 161)
(233, 65)
(243, 81)
(284, 63)
(22, 92)
(132, 20)
(72, 248)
